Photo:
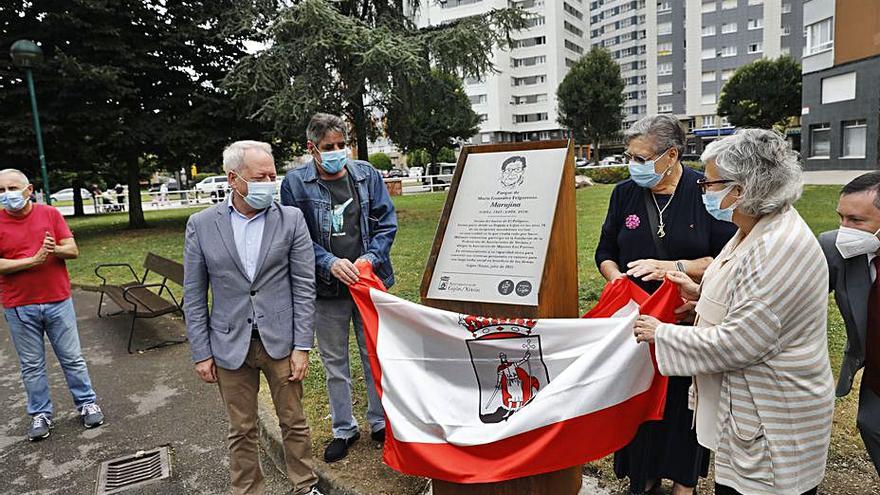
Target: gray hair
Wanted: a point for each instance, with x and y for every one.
(22, 179)
(764, 165)
(233, 155)
(664, 131)
(321, 124)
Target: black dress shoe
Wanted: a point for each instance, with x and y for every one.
(337, 449)
(378, 435)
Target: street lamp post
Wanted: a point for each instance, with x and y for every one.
(26, 54)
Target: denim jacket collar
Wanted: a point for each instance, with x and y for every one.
(311, 172)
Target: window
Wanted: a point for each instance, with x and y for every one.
(728, 51)
(786, 30)
(456, 3)
(571, 10)
(528, 80)
(820, 37)
(473, 80)
(664, 89)
(709, 76)
(820, 140)
(527, 99)
(756, 23)
(664, 6)
(664, 28)
(728, 4)
(664, 48)
(571, 28)
(486, 138)
(727, 74)
(477, 99)
(786, 50)
(664, 69)
(483, 117)
(756, 2)
(786, 8)
(573, 47)
(708, 121)
(839, 88)
(708, 6)
(709, 30)
(525, 43)
(528, 61)
(854, 139)
(755, 47)
(708, 99)
(535, 21)
(569, 62)
(725, 122)
(529, 117)
(708, 53)
(664, 108)
(728, 27)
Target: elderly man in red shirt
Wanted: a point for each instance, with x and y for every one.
(35, 292)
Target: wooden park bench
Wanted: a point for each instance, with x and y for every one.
(138, 298)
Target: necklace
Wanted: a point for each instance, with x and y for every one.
(661, 230)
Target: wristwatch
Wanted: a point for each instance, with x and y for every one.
(680, 266)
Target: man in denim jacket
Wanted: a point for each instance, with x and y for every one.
(350, 217)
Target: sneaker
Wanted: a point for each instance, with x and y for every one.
(378, 436)
(337, 449)
(41, 427)
(91, 415)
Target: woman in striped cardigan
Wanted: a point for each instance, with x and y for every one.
(764, 394)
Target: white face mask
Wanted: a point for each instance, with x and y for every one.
(854, 242)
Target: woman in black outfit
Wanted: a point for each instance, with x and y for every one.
(656, 223)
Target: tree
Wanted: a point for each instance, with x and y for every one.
(380, 161)
(123, 80)
(347, 56)
(591, 98)
(764, 94)
(431, 113)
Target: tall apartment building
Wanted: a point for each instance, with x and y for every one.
(518, 103)
(675, 56)
(619, 26)
(840, 118)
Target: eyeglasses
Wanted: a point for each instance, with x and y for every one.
(705, 183)
(639, 159)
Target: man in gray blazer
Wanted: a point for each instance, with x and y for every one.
(258, 260)
(852, 254)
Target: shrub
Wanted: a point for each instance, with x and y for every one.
(446, 155)
(611, 175)
(696, 165)
(380, 161)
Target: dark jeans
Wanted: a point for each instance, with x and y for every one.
(726, 490)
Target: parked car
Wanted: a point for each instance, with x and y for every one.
(214, 186)
(396, 172)
(416, 172)
(581, 163)
(611, 160)
(172, 186)
(67, 195)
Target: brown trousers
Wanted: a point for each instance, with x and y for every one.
(239, 389)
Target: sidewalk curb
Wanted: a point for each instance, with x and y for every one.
(270, 440)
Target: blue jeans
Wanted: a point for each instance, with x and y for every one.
(27, 324)
(335, 317)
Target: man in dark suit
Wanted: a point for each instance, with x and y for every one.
(852, 253)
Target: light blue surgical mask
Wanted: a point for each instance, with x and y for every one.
(260, 194)
(713, 199)
(13, 200)
(645, 174)
(333, 161)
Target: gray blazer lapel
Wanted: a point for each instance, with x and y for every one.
(272, 224)
(224, 224)
(858, 286)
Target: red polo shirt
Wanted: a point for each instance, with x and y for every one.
(22, 238)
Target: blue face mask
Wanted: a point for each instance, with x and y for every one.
(713, 199)
(13, 200)
(260, 194)
(333, 161)
(645, 174)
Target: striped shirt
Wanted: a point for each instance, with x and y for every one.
(777, 392)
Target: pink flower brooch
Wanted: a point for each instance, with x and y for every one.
(632, 222)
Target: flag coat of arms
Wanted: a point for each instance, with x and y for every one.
(470, 399)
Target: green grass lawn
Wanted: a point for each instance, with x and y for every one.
(105, 239)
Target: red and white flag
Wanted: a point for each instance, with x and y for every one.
(474, 400)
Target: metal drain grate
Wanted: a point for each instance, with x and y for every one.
(123, 473)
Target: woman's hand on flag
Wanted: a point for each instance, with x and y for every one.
(689, 290)
(644, 328)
